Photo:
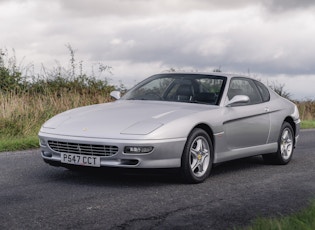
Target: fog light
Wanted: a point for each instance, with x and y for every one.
(138, 149)
(46, 154)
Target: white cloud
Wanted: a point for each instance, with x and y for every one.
(136, 8)
(296, 86)
(267, 37)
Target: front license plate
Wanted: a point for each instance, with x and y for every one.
(84, 160)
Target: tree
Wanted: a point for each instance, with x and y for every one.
(280, 89)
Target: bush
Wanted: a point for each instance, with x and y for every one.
(10, 77)
(26, 102)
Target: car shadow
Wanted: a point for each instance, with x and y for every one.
(117, 177)
(146, 177)
(238, 165)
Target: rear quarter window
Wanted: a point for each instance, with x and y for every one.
(263, 90)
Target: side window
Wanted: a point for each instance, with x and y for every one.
(263, 91)
(243, 86)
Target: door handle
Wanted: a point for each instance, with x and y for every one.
(267, 109)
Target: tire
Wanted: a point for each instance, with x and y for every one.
(197, 158)
(285, 147)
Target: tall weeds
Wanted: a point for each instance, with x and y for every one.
(26, 104)
(23, 114)
(306, 109)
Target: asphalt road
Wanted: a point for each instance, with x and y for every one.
(34, 195)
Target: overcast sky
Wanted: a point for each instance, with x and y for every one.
(273, 40)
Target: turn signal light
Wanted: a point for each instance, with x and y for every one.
(138, 149)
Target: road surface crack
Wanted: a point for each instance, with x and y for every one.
(150, 222)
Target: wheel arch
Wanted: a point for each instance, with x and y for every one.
(292, 123)
(209, 131)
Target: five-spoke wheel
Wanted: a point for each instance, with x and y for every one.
(197, 157)
(286, 143)
(285, 146)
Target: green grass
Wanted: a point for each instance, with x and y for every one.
(18, 143)
(308, 124)
(303, 220)
(31, 141)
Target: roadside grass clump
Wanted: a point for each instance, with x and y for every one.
(303, 220)
(307, 113)
(306, 109)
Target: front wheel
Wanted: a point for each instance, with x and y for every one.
(197, 157)
(285, 146)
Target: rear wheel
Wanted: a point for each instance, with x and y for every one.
(197, 157)
(285, 146)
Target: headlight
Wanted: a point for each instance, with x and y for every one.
(42, 142)
(138, 149)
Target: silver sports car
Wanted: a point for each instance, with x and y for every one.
(188, 121)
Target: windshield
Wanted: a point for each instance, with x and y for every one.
(190, 88)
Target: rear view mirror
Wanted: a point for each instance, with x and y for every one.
(115, 94)
(238, 99)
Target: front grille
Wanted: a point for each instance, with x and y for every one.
(85, 149)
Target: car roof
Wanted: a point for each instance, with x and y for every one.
(221, 74)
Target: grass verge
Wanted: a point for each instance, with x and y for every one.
(18, 143)
(31, 141)
(303, 220)
(308, 124)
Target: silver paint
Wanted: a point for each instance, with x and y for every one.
(236, 131)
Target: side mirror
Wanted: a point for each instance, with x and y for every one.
(238, 99)
(115, 94)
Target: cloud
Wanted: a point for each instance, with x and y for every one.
(237, 35)
(201, 39)
(124, 8)
(151, 8)
(266, 37)
(288, 5)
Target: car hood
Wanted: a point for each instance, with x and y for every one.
(120, 118)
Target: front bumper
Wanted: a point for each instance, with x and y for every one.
(166, 153)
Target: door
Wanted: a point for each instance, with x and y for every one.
(248, 124)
